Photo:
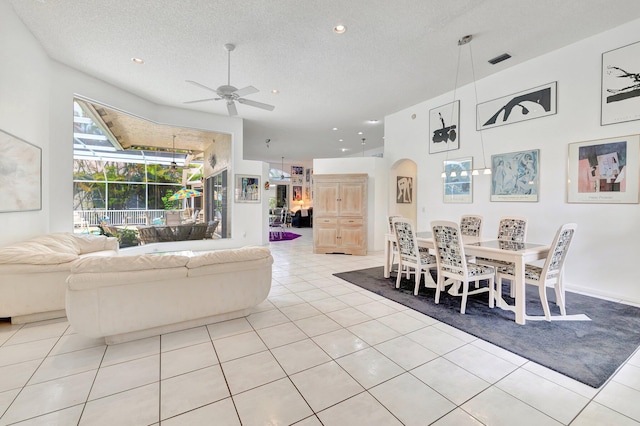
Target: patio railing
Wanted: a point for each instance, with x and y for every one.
(121, 217)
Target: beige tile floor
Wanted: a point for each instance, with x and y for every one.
(319, 351)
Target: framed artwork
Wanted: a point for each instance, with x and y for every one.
(297, 171)
(620, 85)
(404, 190)
(297, 193)
(458, 182)
(20, 175)
(514, 176)
(527, 105)
(604, 171)
(297, 180)
(308, 175)
(247, 189)
(444, 128)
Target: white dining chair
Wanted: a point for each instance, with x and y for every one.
(510, 228)
(471, 225)
(453, 265)
(410, 257)
(549, 274)
(394, 243)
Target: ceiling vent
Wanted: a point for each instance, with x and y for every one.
(500, 58)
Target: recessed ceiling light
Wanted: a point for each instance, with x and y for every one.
(359, 133)
(339, 29)
(275, 91)
(372, 121)
(340, 140)
(137, 61)
(345, 149)
(335, 128)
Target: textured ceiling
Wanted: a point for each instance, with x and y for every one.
(394, 54)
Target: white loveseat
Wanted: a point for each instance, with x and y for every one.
(33, 273)
(130, 297)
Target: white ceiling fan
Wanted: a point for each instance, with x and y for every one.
(230, 93)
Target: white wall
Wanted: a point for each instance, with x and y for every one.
(376, 169)
(608, 239)
(36, 104)
(24, 101)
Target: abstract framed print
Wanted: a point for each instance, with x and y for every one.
(526, 105)
(514, 176)
(20, 175)
(444, 128)
(604, 171)
(458, 182)
(247, 189)
(620, 85)
(404, 190)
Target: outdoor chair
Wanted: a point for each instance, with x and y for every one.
(452, 264)
(549, 274)
(148, 234)
(198, 231)
(211, 229)
(409, 257)
(181, 232)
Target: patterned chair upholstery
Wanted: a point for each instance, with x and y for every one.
(511, 228)
(550, 273)
(409, 257)
(471, 225)
(452, 264)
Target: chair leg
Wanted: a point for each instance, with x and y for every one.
(439, 286)
(492, 294)
(543, 298)
(463, 303)
(399, 275)
(418, 277)
(560, 297)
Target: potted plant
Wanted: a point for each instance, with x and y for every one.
(128, 237)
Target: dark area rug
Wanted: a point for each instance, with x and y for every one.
(284, 236)
(587, 351)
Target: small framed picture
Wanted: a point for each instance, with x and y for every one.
(444, 133)
(621, 85)
(514, 176)
(404, 190)
(458, 182)
(604, 171)
(297, 193)
(297, 170)
(247, 189)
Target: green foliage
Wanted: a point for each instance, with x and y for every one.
(128, 237)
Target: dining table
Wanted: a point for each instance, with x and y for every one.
(518, 253)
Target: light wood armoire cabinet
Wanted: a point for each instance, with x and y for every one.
(340, 214)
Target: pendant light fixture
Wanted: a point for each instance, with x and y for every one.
(485, 170)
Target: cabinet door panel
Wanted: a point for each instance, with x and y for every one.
(351, 236)
(351, 195)
(325, 199)
(325, 236)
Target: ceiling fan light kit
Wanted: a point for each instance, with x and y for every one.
(229, 93)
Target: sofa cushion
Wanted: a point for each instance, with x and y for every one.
(88, 243)
(127, 263)
(35, 253)
(243, 254)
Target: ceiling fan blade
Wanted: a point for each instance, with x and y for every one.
(231, 107)
(202, 100)
(201, 85)
(249, 90)
(256, 104)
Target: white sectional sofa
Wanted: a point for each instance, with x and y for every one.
(33, 273)
(130, 297)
